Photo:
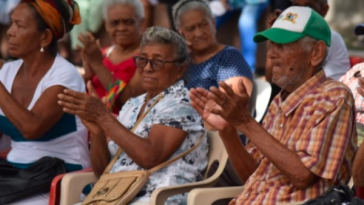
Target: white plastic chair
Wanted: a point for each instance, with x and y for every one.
(264, 91)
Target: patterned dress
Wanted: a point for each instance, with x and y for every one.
(174, 110)
(227, 63)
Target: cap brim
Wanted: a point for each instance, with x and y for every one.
(359, 29)
(278, 35)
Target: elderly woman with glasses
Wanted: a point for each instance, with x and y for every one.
(168, 127)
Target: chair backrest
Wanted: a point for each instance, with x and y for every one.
(217, 152)
(253, 99)
(264, 92)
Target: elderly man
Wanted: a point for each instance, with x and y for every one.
(307, 141)
(337, 62)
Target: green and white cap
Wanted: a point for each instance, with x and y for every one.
(295, 23)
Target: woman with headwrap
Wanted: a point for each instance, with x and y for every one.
(29, 113)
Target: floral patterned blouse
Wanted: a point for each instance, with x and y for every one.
(173, 110)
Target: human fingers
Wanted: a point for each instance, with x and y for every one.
(217, 96)
(197, 103)
(227, 88)
(83, 39)
(68, 98)
(74, 94)
(242, 88)
(91, 89)
(91, 37)
(202, 94)
(68, 107)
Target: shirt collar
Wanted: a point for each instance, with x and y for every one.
(295, 98)
(175, 88)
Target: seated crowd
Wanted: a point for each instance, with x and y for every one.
(169, 88)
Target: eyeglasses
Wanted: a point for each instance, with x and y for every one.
(156, 64)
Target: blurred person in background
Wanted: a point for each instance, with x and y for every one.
(114, 66)
(29, 112)
(6, 7)
(354, 79)
(251, 11)
(211, 61)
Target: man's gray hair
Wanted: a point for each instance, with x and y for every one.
(184, 6)
(136, 4)
(164, 36)
(307, 45)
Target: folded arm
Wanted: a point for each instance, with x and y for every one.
(149, 152)
(34, 123)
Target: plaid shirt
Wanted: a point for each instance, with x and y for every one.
(317, 121)
(352, 82)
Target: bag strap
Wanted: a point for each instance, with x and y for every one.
(108, 168)
(164, 164)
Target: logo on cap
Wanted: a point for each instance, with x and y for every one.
(290, 17)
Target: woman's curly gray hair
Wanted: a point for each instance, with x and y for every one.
(136, 4)
(159, 35)
(184, 6)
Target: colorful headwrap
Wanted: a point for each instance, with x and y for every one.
(60, 15)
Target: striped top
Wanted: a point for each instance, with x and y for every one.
(352, 82)
(317, 121)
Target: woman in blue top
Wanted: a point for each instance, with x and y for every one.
(211, 61)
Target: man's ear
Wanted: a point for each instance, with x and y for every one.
(318, 53)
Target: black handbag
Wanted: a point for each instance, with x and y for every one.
(17, 184)
(336, 196)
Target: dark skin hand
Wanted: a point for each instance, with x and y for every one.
(235, 110)
(157, 147)
(93, 65)
(92, 56)
(234, 146)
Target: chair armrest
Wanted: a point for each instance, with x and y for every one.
(72, 185)
(160, 195)
(210, 195)
(55, 191)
